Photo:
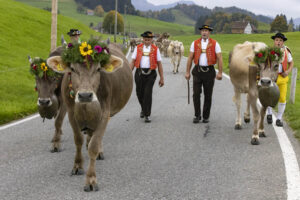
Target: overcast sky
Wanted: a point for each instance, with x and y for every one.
(291, 8)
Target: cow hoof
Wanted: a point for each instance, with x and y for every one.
(262, 134)
(55, 150)
(77, 171)
(90, 187)
(247, 120)
(254, 141)
(100, 156)
(238, 127)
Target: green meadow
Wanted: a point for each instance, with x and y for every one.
(228, 41)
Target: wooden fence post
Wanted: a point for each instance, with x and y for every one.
(54, 25)
(293, 85)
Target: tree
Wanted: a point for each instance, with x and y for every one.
(291, 25)
(279, 24)
(99, 11)
(109, 22)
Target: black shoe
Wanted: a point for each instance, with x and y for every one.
(142, 114)
(205, 120)
(147, 119)
(196, 120)
(269, 119)
(279, 123)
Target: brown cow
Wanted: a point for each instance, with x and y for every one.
(256, 79)
(98, 95)
(50, 103)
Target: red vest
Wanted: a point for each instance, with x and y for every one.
(285, 60)
(210, 51)
(152, 56)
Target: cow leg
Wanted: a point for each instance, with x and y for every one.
(58, 132)
(94, 148)
(261, 130)
(174, 65)
(78, 139)
(178, 62)
(253, 99)
(237, 101)
(247, 113)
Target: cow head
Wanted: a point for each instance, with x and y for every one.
(84, 64)
(268, 60)
(177, 47)
(47, 86)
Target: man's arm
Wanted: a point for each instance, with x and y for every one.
(286, 73)
(161, 74)
(189, 65)
(220, 66)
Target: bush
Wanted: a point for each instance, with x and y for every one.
(109, 22)
(99, 11)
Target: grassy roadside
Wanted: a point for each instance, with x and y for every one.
(228, 41)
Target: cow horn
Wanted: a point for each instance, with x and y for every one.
(29, 59)
(63, 41)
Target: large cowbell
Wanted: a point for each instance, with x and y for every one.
(269, 96)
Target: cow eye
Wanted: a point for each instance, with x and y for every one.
(98, 69)
(72, 69)
(276, 67)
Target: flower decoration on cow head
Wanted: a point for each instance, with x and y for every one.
(268, 54)
(87, 53)
(39, 67)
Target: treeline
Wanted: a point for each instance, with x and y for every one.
(222, 22)
(108, 5)
(163, 15)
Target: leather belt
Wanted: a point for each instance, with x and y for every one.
(144, 71)
(203, 68)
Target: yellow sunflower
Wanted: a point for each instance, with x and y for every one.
(44, 67)
(85, 49)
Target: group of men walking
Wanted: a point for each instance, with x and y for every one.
(205, 53)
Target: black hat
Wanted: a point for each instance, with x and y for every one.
(147, 34)
(279, 35)
(74, 32)
(206, 27)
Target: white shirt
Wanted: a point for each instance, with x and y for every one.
(145, 61)
(289, 58)
(203, 58)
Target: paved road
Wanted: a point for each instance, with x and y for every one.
(170, 158)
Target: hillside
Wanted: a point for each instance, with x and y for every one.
(144, 5)
(24, 31)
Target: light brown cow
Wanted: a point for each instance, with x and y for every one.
(134, 42)
(166, 43)
(175, 51)
(254, 78)
(98, 95)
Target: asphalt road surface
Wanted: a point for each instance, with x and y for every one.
(170, 158)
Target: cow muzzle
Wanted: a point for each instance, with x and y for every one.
(44, 102)
(265, 82)
(85, 97)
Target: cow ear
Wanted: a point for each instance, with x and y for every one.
(114, 64)
(56, 63)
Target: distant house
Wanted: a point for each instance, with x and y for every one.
(243, 27)
(90, 12)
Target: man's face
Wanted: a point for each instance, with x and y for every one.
(75, 38)
(278, 42)
(205, 33)
(147, 41)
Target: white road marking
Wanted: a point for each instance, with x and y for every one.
(19, 122)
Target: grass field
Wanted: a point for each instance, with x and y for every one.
(227, 42)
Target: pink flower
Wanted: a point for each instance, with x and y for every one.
(98, 48)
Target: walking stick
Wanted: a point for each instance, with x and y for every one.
(188, 84)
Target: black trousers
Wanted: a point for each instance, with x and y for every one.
(144, 87)
(205, 80)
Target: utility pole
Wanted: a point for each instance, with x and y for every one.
(54, 25)
(116, 21)
(125, 6)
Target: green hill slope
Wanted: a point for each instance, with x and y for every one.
(24, 31)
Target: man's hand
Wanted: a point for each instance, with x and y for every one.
(161, 82)
(187, 76)
(219, 76)
(284, 74)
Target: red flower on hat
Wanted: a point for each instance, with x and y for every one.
(259, 55)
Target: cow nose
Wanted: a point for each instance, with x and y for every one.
(44, 102)
(265, 82)
(85, 96)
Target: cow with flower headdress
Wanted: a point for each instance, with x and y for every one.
(50, 103)
(253, 69)
(97, 84)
